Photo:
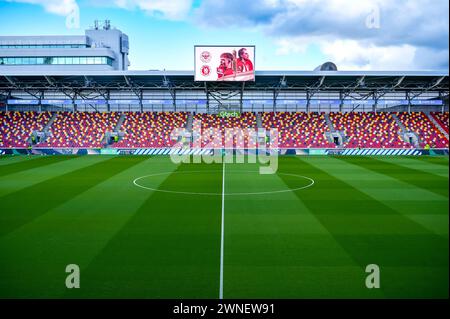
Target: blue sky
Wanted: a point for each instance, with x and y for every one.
(288, 34)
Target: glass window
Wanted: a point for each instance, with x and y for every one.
(57, 60)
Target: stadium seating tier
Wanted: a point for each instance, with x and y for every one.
(150, 129)
(153, 129)
(17, 127)
(419, 123)
(80, 129)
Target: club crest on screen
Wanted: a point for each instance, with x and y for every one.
(205, 56)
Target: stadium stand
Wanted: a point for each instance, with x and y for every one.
(419, 123)
(369, 130)
(150, 129)
(298, 130)
(216, 131)
(442, 119)
(17, 127)
(80, 129)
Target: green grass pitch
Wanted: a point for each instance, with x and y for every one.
(288, 239)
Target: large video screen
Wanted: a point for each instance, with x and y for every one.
(224, 63)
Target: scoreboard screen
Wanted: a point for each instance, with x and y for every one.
(224, 63)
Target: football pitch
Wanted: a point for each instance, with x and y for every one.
(144, 227)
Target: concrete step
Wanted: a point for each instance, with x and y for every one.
(189, 121)
(438, 126)
(120, 122)
(259, 120)
(405, 133)
(399, 123)
(329, 122)
(50, 122)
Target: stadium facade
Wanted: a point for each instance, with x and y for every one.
(100, 49)
(272, 91)
(401, 111)
(74, 94)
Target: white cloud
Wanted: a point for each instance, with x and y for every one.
(353, 55)
(59, 7)
(170, 9)
(407, 34)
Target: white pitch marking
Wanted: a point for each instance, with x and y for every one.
(222, 228)
(135, 182)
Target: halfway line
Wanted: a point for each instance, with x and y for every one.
(222, 231)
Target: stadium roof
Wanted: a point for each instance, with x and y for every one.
(299, 80)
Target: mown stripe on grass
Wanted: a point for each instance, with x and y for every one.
(276, 248)
(9, 159)
(170, 248)
(426, 208)
(30, 164)
(430, 182)
(357, 220)
(74, 232)
(373, 233)
(438, 160)
(21, 207)
(17, 181)
(409, 162)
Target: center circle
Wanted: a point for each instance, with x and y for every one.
(308, 182)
